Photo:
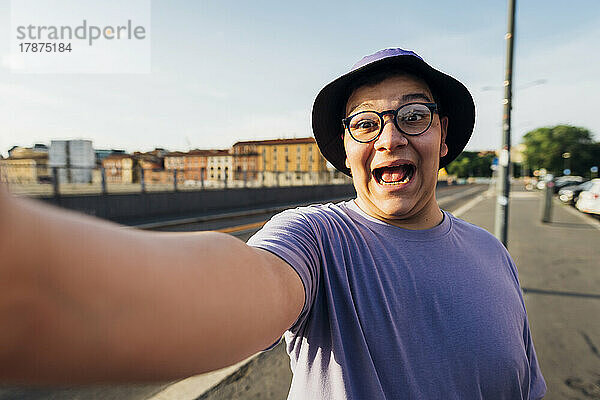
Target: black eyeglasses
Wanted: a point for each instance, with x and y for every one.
(411, 119)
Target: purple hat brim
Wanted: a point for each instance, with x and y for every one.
(329, 107)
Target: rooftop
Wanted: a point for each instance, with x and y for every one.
(305, 140)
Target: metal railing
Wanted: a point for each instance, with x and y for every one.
(41, 181)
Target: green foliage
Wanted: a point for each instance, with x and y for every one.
(471, 164)
(546, 146)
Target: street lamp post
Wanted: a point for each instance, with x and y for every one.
(501, 218)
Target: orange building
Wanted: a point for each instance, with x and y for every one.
(118, 168)
(245, 161)
(280, 155)
(152, 164)
(195, 163)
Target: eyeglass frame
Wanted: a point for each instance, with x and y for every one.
(433, 108)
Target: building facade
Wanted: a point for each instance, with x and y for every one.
(245, 161)
(283, 161)
(195, 164)
(73, 159)
(174, 160)
(26, 165)
(219, 166)
(281, 155)
(118, 168)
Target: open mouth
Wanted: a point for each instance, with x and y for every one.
(394, 175)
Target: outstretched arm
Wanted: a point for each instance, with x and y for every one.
(84, 300)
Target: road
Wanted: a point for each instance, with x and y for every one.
(449, 198)
(243, 227)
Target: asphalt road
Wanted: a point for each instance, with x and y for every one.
(273, 363)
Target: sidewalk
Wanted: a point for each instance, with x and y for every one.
(559, 270)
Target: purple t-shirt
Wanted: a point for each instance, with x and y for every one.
(392, 313)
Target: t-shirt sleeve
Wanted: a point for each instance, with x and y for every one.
(291, 236)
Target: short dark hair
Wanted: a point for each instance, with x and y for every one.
(388, 72)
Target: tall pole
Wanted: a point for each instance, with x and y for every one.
(501, 223)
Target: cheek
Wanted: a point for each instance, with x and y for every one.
(357, 158)
(429, 149)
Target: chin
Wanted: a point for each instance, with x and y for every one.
(394, 208)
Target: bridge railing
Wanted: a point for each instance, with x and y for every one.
(35, 180)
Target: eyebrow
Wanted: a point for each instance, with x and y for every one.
(415, 96)
(404, 99)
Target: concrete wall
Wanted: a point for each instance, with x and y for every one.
(129, 207)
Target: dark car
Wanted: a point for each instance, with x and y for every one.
(569, 194)
(564, 181)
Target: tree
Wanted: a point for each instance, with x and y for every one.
(545, 148)
(471, 163)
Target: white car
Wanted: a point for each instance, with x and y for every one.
(589, 200)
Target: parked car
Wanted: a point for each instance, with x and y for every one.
(569, 194)
(563, 181)
(589, 200)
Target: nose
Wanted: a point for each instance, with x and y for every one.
(390, 137)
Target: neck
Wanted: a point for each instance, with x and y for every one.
(427, 217)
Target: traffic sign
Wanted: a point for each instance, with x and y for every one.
(594, 169)
(566, 171)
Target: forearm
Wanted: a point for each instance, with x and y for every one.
(132, 305)
(56, 292)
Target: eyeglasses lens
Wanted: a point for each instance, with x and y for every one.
(414, 119)
(365, 126)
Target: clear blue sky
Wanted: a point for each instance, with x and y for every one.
(229, 71)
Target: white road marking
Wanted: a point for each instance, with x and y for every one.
(524, 195)
(458, 195)
(470, 204)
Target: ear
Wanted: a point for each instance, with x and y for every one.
(346, 163)
(444, 129)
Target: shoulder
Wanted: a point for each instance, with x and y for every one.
(475, 234)
(312, 223)
(315, 215)
(482, 243)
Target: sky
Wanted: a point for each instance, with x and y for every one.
(222, 72)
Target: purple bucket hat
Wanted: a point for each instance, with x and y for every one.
(454, 100)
